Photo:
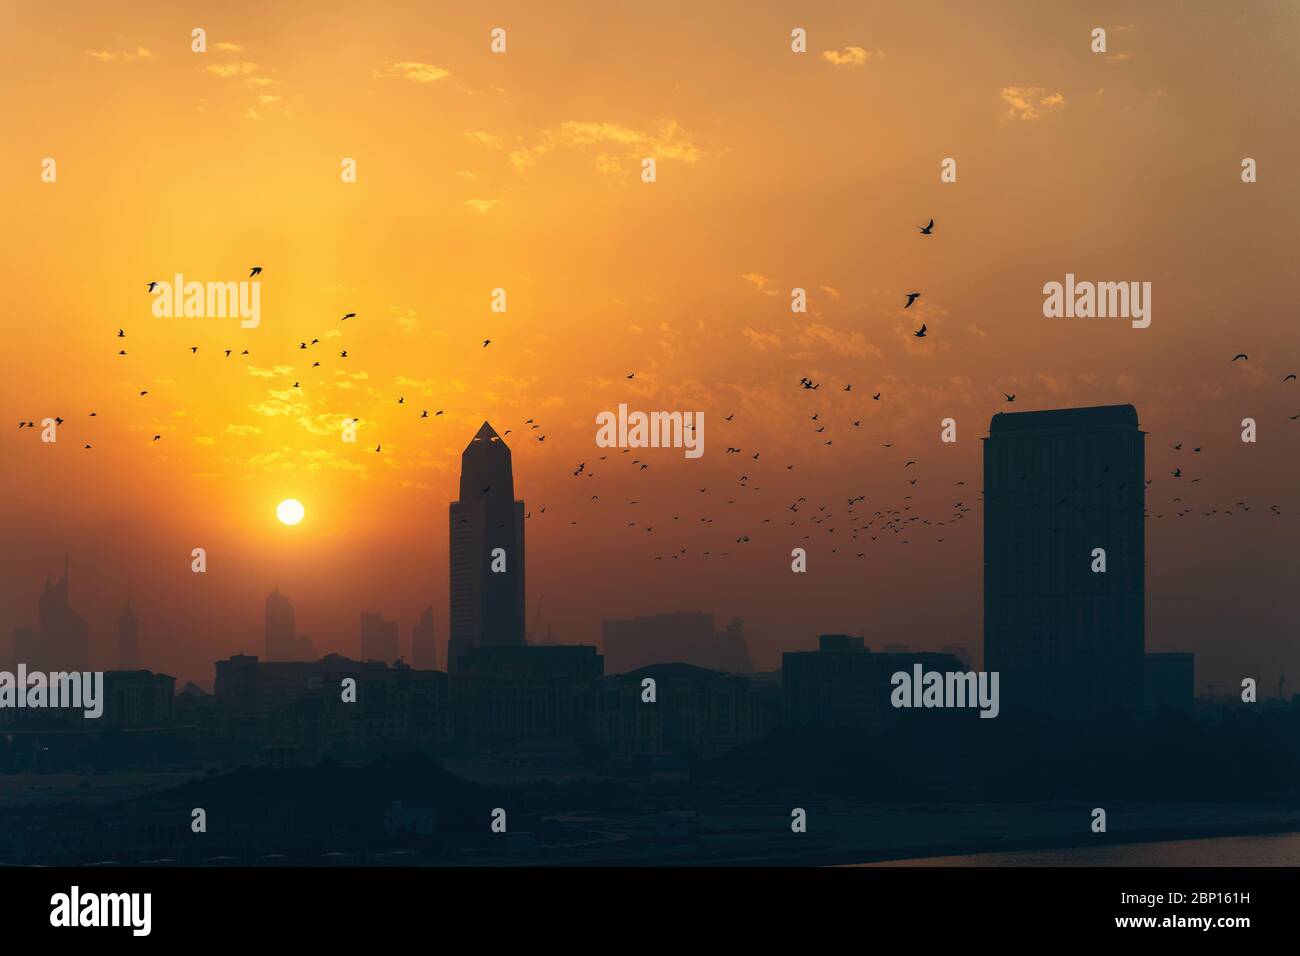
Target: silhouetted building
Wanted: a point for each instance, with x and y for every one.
(843, 684)
(281, 634)
(508, 695)
(696, 711)
(60, 643)
(487, 606)
(292, 711)
(424, 647)
(128, 640)
(135, 700)
(1066, 640)
(686, 637)
(378, 638)
(1169, 682)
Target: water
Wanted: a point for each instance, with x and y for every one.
(1280, 849)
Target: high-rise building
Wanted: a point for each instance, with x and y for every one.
(128, 640)
(281, 634)
(1064, 495)
(424, 649)
(61, 643)
(486, 528)
(378, 638)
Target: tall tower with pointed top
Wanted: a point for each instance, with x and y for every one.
(486, 530)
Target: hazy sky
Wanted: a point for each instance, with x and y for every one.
(522, 171)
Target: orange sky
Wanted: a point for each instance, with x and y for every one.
(522, 171)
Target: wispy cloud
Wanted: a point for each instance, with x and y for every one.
(615, 141)
(240, 68)
(849, 56)
(1031, 102)
(120, 56)
(412, 71)
(482, 206)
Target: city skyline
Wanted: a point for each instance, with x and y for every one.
(525, 178)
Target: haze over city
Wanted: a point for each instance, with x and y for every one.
(522, 173)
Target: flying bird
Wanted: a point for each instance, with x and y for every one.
(921, 333)
(152, 286)
(928, 229)
(122, 334)
(1290, 377)
(350, 315)
(911, 297)
(1010, 398)
(256, 271)
(487, 342)
(1239, 355)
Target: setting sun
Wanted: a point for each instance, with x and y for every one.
(290, 511)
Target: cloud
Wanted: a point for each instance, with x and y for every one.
(227, 47)
(243, 430)
(482, 206)
(412, 71)
(763, 341)
(407, 319)
(759, 281)
(849, 56)
(241, 68)
(482, 138)
(616, 142)
(851, 344)
(112, 56)
(830, 290)
(1031, 102)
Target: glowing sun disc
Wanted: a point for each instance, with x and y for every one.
(290, 511)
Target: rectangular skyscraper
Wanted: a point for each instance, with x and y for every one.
(486, 528)
(1060, 487)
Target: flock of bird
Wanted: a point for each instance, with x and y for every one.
(846, 520)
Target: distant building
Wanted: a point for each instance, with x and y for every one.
(1058, 485)
(424, 646)
(683, 637)
(137, 700)
(513, 695)
(486, 528)
(289, 711)
(1169, 682)
(378, 638)
(961, 653)
(843, 684)
(696, 711)
(281, 634)
(128, 640)
(61, 642)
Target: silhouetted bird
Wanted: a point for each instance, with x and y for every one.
(487, 342)
(350, 315)
(152, 286)
(256, 271)
(121, 335)
(927, 230)
(1289, 377)
(1239, 355)
(1010, 398)
(911, 297)
(921, 333)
